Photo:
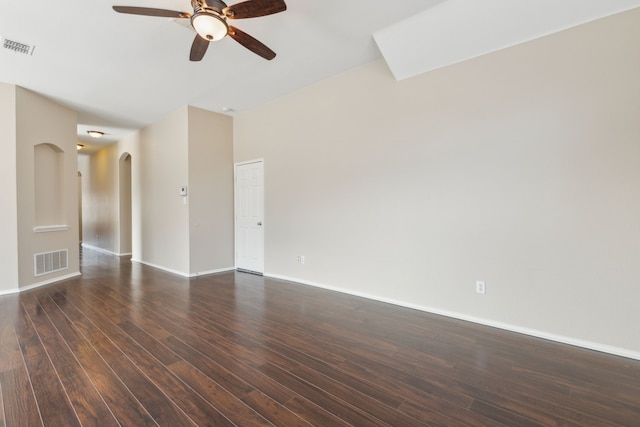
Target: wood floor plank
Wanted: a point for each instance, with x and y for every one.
(435, 376)
(18, 400)
(314, 413)
(224, 377)
(191, 403)
(441, 413)
(360, 400)
(180, 349)
(2, 417)
(398, 418)
(149, 343)
(239, 349)
(273, 411)
(85, 399)
(10, 355)
(52, 400)
(247, 379)
(515, 392)
(221, 365)
(315, 342)
(125, 407)
(502, 415)
(211, 367)
(161, 407)
(392, 417)
(228, 404)
(337, 406)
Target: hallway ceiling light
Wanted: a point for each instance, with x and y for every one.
(79, 147)
(95, 133)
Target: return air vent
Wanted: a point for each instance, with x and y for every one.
(49, 262)
(17, 46)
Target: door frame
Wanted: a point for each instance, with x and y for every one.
(235, 210)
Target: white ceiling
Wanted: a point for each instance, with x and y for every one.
(457, 30)
(124, 72)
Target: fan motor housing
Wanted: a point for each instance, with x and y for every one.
(216, 5)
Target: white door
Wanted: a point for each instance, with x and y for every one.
(249, 195)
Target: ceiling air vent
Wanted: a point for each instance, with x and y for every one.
(17, 46)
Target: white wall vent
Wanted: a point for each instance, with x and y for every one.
(49, 262)
(17, 46)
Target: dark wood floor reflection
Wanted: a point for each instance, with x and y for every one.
(129, 345)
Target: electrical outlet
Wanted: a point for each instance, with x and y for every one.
(300, 259)
(480, 287)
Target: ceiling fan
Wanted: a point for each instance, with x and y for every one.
(209, 20)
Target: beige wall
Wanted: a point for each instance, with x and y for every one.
(163, 169)
(8, 196)
(39, 120)
(210, 191)
(158, 168)
(520, 168)
(189, 147)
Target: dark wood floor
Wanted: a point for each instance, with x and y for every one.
(129, 345)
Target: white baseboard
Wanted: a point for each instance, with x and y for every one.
(97, 249)
(219, 270)
(43, 283)
(159, 267)
(618, 351)
(181, 273)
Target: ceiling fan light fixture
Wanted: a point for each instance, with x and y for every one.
(209, 26)
(209, 21)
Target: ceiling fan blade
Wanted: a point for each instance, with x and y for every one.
(198, 48)
(150, 11)
(250, 43)
(254, 8)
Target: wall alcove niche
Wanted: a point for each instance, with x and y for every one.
(48, 188)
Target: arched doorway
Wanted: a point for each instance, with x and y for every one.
(125, 204)
(80, 206)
